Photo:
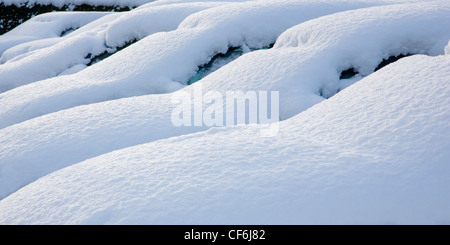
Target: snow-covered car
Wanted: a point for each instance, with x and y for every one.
(363, 110)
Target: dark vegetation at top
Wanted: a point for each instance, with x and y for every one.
(351, 72)
(107, 53)
(12, 15)
(390, 60)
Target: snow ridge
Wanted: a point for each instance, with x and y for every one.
(391, 171)
(96, 144)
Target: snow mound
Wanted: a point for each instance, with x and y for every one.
(32, 62)
(167, 2)
(447, 48)
(299, 73)
(60, 3)
(376, 153)
(44, 26)
(161, 63)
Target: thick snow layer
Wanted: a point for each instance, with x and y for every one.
(43, 59)
(53, 24)
(152, 19)
(49, 25)
(167, 2)
(298, 72)
(162, 62)
(376, 153)
(307, 60)
(447, 49)
(61, 3)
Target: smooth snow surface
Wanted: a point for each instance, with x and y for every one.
(298, 72)
(447, 48)
(45, 26)
(95, 144)
(376, 153)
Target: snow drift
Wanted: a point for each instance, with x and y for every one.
(362, 141)
(51, 142)
(376, 153)
(161, 63)
(60, 3)
(46, 26)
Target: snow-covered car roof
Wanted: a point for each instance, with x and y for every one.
(370, 147)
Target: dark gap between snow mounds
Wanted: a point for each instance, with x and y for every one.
(219, 60)
(390, 60)
(108, 52)
(67, 31)
(13, 15)
(352, 72)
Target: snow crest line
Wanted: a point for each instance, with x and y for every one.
(216, 109)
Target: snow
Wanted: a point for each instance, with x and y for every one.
(96, 144)
(74, 69)
(159, 63)
(105, 35)
(83, 132)
(49, 25)
(447, 48)
(167, 2)
(152, 19)
(376, 153)
(61, 3)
